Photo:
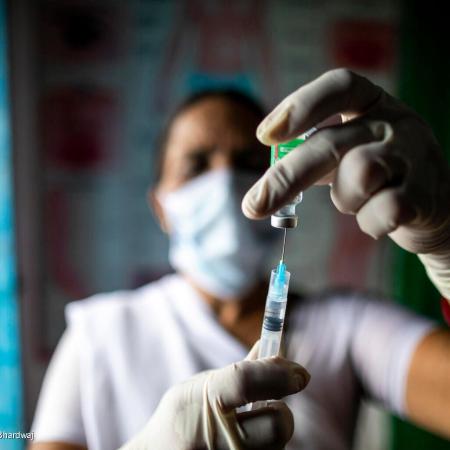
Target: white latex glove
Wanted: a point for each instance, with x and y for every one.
(383, 161)
(200, 413)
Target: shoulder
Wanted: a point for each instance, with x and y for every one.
(103, 312)
(122, 299)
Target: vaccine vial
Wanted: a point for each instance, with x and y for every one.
(286, 216)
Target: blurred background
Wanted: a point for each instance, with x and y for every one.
(85, 88)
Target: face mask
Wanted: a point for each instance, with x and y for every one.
(211, 241)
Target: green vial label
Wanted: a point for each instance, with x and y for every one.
(279, 151)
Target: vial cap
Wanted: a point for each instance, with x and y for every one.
(284, 221)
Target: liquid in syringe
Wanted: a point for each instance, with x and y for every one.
(274, 313)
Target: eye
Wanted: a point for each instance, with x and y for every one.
(195, 164)
(251, 160)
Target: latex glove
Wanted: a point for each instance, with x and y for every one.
(200, 413)
(383, 161)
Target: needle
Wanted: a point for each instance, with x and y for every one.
(284, 245)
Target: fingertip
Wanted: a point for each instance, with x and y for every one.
(256, 200)
(297, 374)
(302, 378)
(269, 427)
(247, 207)
(275, 126)
(269, 378)
(307, 377)
(286, 418)
(253, 353)
(263, 136)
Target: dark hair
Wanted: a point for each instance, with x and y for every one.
(229, 94)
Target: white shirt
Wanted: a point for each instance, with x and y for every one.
(122, 351)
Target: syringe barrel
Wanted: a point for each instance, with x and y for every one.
(274, 314)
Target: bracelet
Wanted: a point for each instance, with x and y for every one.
(445, 306)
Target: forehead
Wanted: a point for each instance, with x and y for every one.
(213, 121)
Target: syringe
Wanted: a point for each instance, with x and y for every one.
(275, 310)
(274, 313)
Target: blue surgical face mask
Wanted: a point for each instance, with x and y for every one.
(211, 241)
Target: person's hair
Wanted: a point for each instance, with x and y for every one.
(229, 94)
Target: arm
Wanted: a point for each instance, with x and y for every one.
(191, 415)
(428, 383)
(58, 423)
(403, 361)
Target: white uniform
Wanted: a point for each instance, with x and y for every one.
(123, 350)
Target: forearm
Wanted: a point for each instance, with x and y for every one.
(428, 384)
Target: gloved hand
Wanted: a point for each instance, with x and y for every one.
(200, 413)
(383, 161)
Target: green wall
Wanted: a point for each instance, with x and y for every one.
(424, 85)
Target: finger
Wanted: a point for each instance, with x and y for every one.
(263, 379)
(385, 212)
(318, 156)
(253, 353)
(336, 91)
(363, 171)
(336, 119)
(270, 427)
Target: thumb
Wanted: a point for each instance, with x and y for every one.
(253, 353)
(249, 381)
(270, 427)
